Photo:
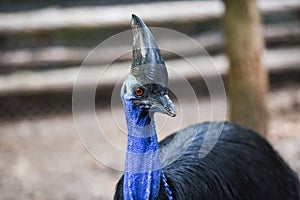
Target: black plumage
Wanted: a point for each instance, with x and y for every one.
(242, 165)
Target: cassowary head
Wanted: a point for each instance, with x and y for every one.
(146, 85)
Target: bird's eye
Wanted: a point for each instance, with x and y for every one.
(138, 92)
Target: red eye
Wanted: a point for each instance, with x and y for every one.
(138, 92)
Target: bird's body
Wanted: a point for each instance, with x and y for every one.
(240, 166)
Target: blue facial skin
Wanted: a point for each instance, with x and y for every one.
(142, 168)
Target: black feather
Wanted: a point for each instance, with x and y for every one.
(241, 166)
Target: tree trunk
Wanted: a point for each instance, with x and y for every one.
(247, 79)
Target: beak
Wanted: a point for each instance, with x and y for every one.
(167, 106)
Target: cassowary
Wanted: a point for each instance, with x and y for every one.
(241, 165)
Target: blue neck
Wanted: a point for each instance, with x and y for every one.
(142, 168)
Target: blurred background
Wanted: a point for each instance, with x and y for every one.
(42, 45)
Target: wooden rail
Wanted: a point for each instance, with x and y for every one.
(67, 56)
(112, 16)
(23, 81)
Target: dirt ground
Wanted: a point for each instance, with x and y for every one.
(45, 159)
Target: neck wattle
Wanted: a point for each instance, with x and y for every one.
(142, 168)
